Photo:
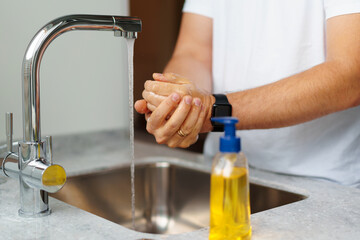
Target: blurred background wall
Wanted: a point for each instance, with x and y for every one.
(84, 83)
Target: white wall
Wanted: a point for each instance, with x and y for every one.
(84, 85)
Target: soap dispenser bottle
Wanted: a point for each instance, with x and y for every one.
(229, 194)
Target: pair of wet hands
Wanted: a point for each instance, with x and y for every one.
(175, 109)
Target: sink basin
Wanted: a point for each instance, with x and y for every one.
(169, 199)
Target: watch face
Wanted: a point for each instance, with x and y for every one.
(221, 110)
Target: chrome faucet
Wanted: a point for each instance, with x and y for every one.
(33, 163)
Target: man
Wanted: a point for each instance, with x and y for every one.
(290, 70)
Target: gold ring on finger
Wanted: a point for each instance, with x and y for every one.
(181, 133)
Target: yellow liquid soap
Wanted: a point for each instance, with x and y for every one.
(229, 206)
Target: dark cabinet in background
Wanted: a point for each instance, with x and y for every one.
(154, 46)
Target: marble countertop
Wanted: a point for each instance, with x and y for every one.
(330, 211)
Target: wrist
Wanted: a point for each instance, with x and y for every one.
(208, 103)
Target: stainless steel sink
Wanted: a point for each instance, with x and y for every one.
(169, 199)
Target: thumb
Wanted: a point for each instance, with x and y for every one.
(141, 106)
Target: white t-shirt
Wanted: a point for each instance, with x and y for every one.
(256, 42)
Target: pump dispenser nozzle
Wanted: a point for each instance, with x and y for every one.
(229, 142)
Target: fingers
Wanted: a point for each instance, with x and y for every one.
(178, 117)
(141, 106)
(170, 77)
(159, 77)
(165, 88)
(193, 137)
(159, 115)
(150, 107)
(198, 125)
(176, 78)
(187, 127)
(147, 116)
(188, 117)
(169, 101)
(152, 98)
(164, 130)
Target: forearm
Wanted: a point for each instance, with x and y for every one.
(192, 57)
(321, 90)
(198, 71)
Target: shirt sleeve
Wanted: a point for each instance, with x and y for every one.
(202, 7)
(340, 7)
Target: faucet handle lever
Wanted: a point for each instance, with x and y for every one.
(9, 131)
(48, 154)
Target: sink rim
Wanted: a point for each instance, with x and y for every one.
(199, 164)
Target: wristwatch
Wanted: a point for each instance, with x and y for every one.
(221, 108)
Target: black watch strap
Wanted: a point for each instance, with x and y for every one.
(221, 108)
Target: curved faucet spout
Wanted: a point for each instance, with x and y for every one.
(122, 26)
